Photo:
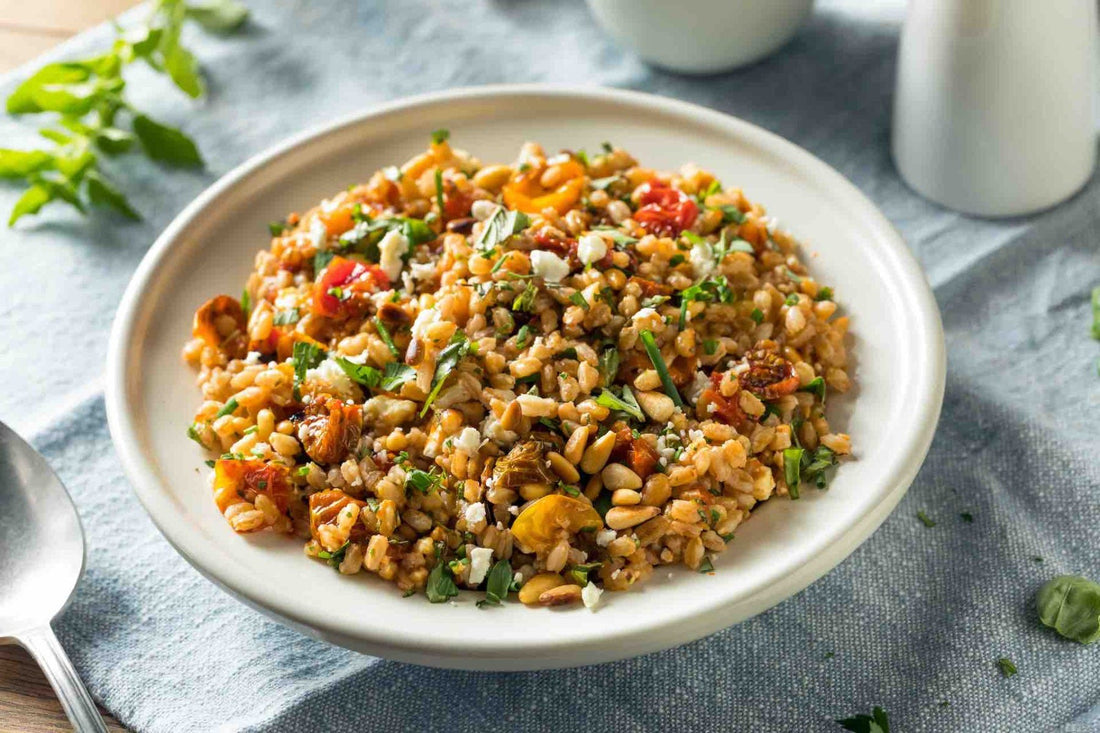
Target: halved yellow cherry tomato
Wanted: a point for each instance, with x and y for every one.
(525, 193)
(542, 523)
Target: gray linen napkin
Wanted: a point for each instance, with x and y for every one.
(913, 621)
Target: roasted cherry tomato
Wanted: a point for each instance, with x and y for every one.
(726, 409)
(769, 375)
(547, 520)
(344, 287)
(524, 192)
(330, 430)
(220, 322)
(636, 453)
(664, 211)
(325, 507)
(236, 480)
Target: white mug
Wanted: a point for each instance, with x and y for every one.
(993, 110)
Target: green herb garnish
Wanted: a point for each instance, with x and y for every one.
(817, 386)
(1070, 604)
(876, 722)
(525, 301)
(440, 136)
(321, 260)
(579, 573)
(757, 315)
(363, 374)
(89, 97)
(710, 346)
(228, 408)
(650, 345)
(1007, 667)
(609, 366)
(522, 335)
(707, 566)
(731, 214)
(441, 585)
(617, 236)
(439, 190)
(826, 293)
(395, 374)
(193, 433)
(246, 302)
(500, 226)
(925, 519)
(423, 481)
(306, 356)
(626, 403)
(792, 470)
(602, 184)
(577, 298)
(448, 361)
(497, 584)
(1096, 313)
(966, 517)
(287, 317)
(384, 334)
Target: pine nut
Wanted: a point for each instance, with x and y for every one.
(623, 517)
(596, 455)
(563, 467)
(561, 595)
(536, 586)
(574, 447)
(617, 476)
(625, 497)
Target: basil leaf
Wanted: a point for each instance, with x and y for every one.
(182, 67)
(22, 163)
(306, 356)
(1070, 604)
(102, 193)
(610, 400)
(441, 585)
(448, 360)
(395, 375)
(876, 722)
(166, 144)
(650, 345)
(1096, 313)
(609, 366)
(220, 16)
(500, 226)
(31, 202)
(363, 374)
(497, 584)
(23, 101)
(792, 465)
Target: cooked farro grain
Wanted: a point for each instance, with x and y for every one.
(554, 374)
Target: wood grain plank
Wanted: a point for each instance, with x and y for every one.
(64, 17)
(18, 47)
(27, 702)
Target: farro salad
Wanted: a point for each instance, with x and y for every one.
(550, 376)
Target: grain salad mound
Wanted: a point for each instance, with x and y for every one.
(550, 376)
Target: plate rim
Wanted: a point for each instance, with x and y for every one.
(546, 652)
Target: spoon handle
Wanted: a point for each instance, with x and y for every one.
(74, 697)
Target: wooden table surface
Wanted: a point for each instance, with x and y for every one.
(27, 29)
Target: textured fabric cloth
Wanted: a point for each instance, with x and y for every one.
(913, 621)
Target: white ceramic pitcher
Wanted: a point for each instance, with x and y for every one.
(993, 110)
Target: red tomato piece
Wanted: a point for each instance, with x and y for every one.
(665, 211)
(247, 479)
(343, 288)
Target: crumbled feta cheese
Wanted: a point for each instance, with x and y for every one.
(328, 372)
(422, 270)
(695, 389)
(391, 250)
(475, 513)
(424, 319)
(549, 266)
(591, 248)
(605, 536)
(696, 436)
(702, 260)
(590, 594)
(318, 233)
(482, 209)
(468, 440)
(480, 559)
(513, 510)
(253, 357)
(518, 578)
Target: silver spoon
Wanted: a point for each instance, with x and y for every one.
(41, 558)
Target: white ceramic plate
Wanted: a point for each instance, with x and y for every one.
(896, 339)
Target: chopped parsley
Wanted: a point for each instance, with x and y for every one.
(440, 136)
(522, 336)
(707, 566)
(1007, 667)
(321, 260)
(966, 517)
(423, 481)
(395, 375)
(731, 214)
(826, 293)
(757, 315)
(602, 184)
(577, 299)
(439, 189)
(710, 346)
(525, 301)
(246, 301)
(617, 236)
(925, 519)
(336, 557)
(650, 345)
(193, 433)
(362, 374)
(579, 573)
(1096, 313)
(277, 228)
